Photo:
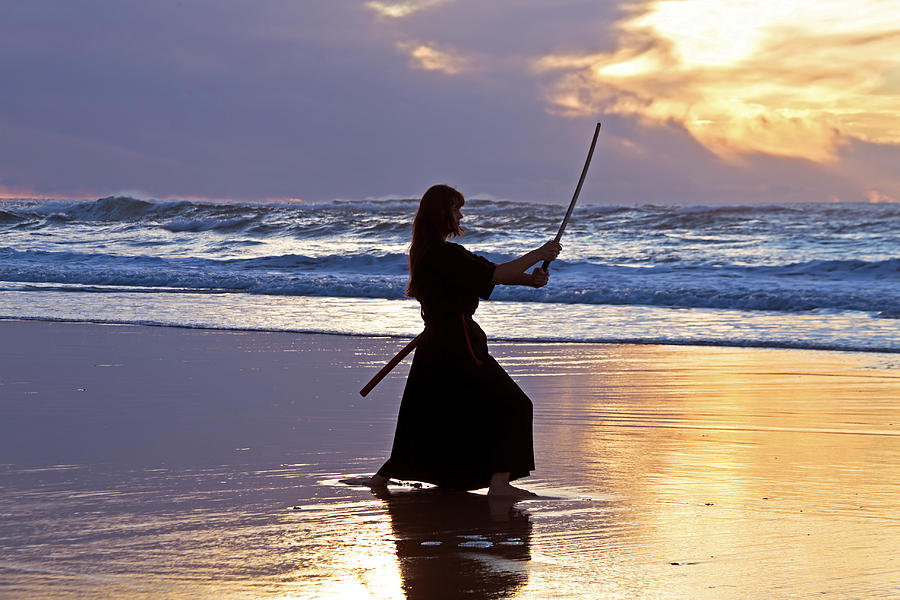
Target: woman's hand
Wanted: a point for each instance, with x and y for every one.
(549, 251)
(515, 272)
(539, 277)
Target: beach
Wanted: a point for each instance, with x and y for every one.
(166, 462)
(218, 226)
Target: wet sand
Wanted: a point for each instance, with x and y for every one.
(149, 462)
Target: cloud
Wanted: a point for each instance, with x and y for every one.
(212, 98)
(877, 196)
(794, 79)
(431, 58)
(397, 10)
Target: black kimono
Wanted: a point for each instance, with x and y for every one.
(462, 418)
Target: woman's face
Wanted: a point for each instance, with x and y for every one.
(456, 215)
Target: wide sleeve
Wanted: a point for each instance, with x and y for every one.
(467, 272)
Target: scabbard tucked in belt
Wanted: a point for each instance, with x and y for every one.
(391, 364)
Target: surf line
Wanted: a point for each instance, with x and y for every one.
(415, 341)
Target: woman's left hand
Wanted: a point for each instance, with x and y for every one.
(549, 251)
(539, 277)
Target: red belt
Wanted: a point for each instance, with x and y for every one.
(465, 324)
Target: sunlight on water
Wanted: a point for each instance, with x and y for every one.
(354, 555)
(501, 320)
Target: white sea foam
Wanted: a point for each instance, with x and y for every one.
(787, 259)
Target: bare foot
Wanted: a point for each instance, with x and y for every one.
(509, 491)
(378, 481)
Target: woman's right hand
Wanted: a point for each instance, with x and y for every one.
(539, 277)
(549, 251)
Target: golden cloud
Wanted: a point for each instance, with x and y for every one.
(431, 58)
(877, 196)
(398, 10)
(795, 78)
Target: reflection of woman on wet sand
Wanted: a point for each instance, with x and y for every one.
(459, 545)
(463, 424)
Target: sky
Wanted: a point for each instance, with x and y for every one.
(701, 101)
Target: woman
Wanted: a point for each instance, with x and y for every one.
(463, 424)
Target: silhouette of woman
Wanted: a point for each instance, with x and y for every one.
(463, 423)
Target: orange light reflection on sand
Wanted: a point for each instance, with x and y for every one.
(776, 443)
(716, 456)
(354, 552)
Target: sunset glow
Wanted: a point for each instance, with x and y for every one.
(703, 101)
(794, 79)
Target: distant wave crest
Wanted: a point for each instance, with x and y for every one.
(395, 215)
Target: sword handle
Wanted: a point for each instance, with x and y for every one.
(391, 364)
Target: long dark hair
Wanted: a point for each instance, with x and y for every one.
(433, 224)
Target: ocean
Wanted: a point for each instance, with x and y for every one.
(816, 276)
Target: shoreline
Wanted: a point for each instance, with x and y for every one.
(194, 463)
(761, 345)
